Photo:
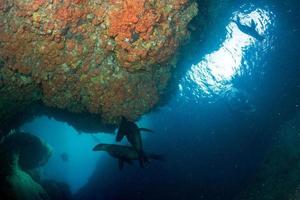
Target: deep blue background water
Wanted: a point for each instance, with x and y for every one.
(224, 109)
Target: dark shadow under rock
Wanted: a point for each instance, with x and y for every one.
(82, 122)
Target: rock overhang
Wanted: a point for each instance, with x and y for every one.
(109, 57)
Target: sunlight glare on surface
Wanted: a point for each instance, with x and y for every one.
(213, 75)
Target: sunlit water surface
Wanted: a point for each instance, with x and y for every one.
(239, 55)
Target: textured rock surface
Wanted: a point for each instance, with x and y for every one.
(109, 57)
(23, 187)
(279, 177)
(21, 153)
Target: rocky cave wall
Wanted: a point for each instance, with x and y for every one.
(107, 57)
(279, 175)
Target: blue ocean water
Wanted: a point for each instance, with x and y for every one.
(214, 129)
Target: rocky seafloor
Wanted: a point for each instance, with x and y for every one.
(104, 57)
(279, 175)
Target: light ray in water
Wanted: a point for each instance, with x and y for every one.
(214, 74)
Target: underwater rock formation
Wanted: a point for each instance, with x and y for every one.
(57, 190)
(31, 150)
(20, 154)
(107, 57)
(279, 177)
(22, 187)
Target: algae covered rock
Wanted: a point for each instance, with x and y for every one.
(31, 150)
(20, 186)
(105, 57)
(22, 152)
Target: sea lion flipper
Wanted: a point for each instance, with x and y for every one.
(97, 147)
(122, 161)
(156, 157)
(119, 136)
(122, 129)
(146, 130)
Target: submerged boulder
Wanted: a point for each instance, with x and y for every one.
(105, 57)
(20, 153)
(31, 150)
(20, 186)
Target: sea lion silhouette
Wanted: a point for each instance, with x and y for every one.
(132, 132)
(125, 154)
(249, 30)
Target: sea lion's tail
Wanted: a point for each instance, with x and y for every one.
(146, 158)
(146, 130)
(154, 156)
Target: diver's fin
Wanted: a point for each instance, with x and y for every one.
(119, 136)
(146, 130)
(121, 164)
